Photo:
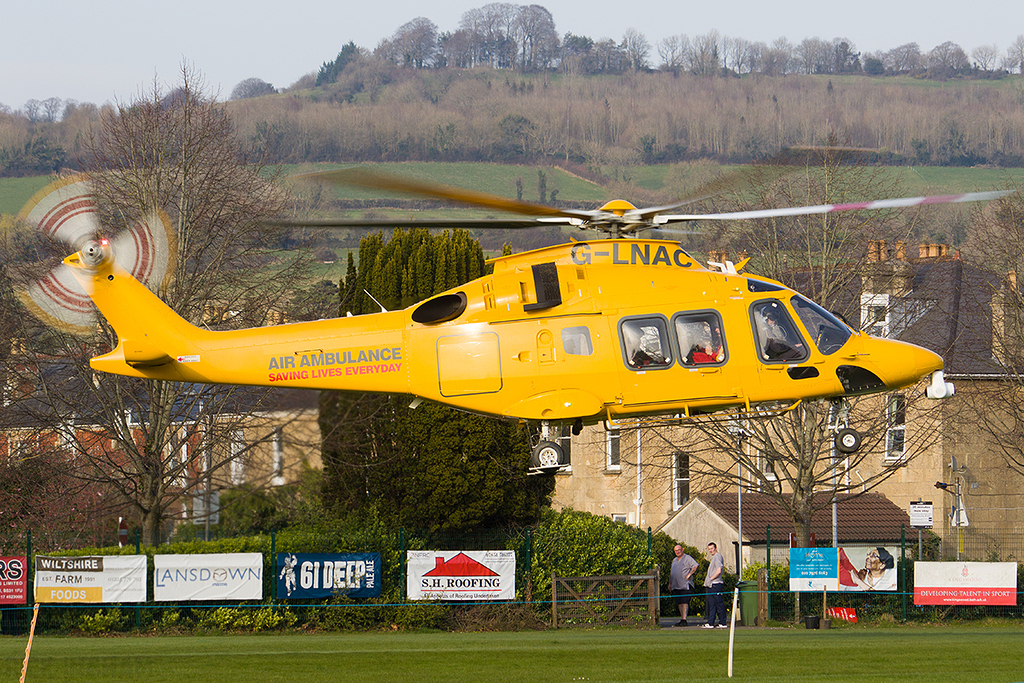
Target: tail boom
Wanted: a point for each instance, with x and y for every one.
(154, 342)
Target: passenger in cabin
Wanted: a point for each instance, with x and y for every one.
(779, 339)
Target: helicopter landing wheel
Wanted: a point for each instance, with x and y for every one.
(548, 456)
(847, 440)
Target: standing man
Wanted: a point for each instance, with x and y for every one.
(715, 584)
(681, 581)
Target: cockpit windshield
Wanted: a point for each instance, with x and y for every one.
(828, 332)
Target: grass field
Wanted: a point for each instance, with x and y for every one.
(972, 654)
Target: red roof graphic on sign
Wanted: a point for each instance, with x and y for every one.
(460, 565)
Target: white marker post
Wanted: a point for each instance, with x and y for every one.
(732, 625)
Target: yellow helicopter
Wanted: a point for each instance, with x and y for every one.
(564, 335)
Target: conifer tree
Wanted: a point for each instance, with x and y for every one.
(431, 467)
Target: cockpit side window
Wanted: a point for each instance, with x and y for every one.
(828, 331)
(645, 343)
(700, 338)
(778, 340)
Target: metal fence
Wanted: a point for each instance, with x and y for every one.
(533, 606)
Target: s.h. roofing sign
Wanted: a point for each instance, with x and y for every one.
(318, 575)
(461, 575)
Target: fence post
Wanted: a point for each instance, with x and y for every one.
(30, 569)
(768, 564)
(529, 565)
(273, 569)
(401, 559)
(138, 551)
(903, 568)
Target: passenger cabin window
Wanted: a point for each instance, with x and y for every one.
(777, 338)
(645, 343)
(828, 331)
(576, 341)
(700, 338)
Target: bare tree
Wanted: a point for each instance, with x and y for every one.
(997, 244)
(814, 56)
(156, 443)
(637, 49)
(947, 59)
(32, 109)
(705, 55)
(985, 56)
(416, 42)
(790, 456)
(671, 51)
(906, 57)
(536, 37)
(788, 451)
(1015, 55)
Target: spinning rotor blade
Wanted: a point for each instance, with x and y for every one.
(66, 210)
(361, 177)
(835, 208)
(429, 223)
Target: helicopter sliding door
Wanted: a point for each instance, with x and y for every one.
(676, 363)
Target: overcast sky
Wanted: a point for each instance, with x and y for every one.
(105, 50)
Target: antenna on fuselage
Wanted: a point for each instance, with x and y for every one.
(382, 309)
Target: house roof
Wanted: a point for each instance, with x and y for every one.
(948, 309)
(868, 517)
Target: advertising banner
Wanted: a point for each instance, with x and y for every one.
(965, 583)
(318, 575)
(871, 568)
(106, 578)
(461, 575)
(13, 581)
(217, 576)
(813, 569)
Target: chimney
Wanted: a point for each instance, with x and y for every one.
(873, 251)
(901, 251)
(1011, 278)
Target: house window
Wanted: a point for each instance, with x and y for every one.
(874, 314)
(611, 450)
(681, 478)
(237, 460)
(278, 445)
(620, 517)
(767, 468)
(896, 419)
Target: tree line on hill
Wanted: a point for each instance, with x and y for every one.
(419, 95)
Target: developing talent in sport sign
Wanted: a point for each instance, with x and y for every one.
(461, 575)
(217, 576)
(107, 578)
(318, 575)
(965, 583)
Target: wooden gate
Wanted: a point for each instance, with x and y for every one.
(601, 600)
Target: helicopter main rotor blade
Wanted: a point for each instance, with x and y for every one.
(361, 177)
(834, 208)
(429, 223)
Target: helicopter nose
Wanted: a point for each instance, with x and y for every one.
(904, 364)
